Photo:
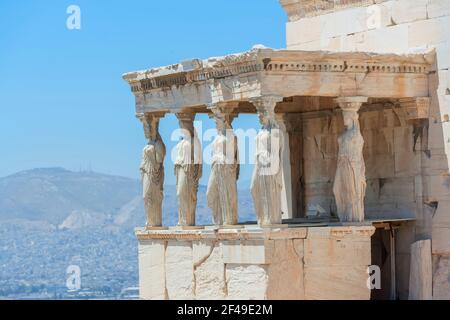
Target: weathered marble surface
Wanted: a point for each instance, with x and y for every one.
(401, 27)
(421, 273)
(188, 170)
(152, 172)
(273, 263)
(266, 181)
(350, 181)
(222, 188)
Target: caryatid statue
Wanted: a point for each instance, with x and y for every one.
(222, 189)
(266, 185)
(152, 170)
(188, 170)
(350, 182)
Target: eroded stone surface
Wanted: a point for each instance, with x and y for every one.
(441, 278)
(281, 268)
(246, 282)
(285, 273)
(152, 273)
(209, 272)
(179, 270)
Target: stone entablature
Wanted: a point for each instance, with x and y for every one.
(262, 72)
(253, 232)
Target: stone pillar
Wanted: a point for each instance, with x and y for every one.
(286, 191)
(350, 182)
(267, 182)
(188, 170)
(421, 271)
(152, 169)
(222, 188)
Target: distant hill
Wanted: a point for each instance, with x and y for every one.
(70, 200)
(53, 194)
(53, 218)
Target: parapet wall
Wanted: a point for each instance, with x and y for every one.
(254, 263)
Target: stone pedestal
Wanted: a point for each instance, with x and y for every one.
(271, 263)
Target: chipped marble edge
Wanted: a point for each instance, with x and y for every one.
(425, 56)
(252, 232)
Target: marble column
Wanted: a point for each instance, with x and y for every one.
(286, 191)
(152, 169)
(350, 181)
(267, 182)
(188, 169)
(222, 188)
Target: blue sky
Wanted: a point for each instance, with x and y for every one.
(62, 99)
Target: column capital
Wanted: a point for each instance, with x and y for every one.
(223, 113)
(185, 116)
(150, 121)
(225, 107)
(146, 116)
(266, 103)
(353, 103)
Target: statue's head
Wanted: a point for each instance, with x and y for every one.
(187, 127)
(263, 119)
(223, 123)
(267, 119)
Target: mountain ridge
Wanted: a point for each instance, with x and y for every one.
(69, 199)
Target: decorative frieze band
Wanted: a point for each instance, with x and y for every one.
(283, 62)
(345, 66)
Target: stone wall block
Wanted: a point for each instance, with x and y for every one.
(151, 270)
(248, 251)
(441, 277)
(179, 270)
(246, 282)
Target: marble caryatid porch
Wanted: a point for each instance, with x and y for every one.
(334, 131)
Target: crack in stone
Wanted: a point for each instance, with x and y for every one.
(166, 293)
(199, 263)
(302, 261)
(225, 287)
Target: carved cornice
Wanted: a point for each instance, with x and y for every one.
(266, 103)
(267, 61)
(256, 233)
(351, 103)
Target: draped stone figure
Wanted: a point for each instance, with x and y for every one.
(222, 189)
(350, 181)
(152, 173)
(266, 184)
(188, 171)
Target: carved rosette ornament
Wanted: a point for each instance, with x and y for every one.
(188, 169)
(152, 169)
(222, 188)
(350, 182)
(266, 185)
